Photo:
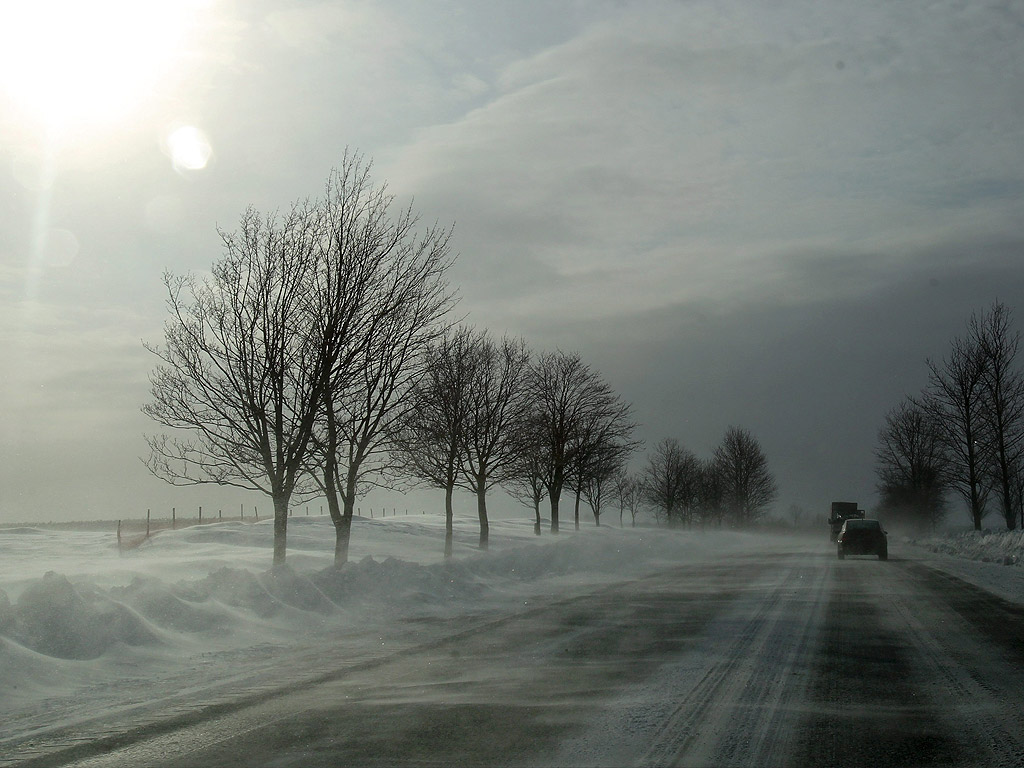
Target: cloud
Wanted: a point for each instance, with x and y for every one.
(681, 150)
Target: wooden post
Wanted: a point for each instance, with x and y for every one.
(256, 510)
(119, 535)
(200, 514)
(147, 523)
(220, 514)
(172, 518)
(241, 511)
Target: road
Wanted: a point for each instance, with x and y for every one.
(792, 659)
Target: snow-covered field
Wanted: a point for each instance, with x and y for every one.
(85, 628)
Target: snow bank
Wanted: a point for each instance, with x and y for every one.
(86, 628)
(1003, 547)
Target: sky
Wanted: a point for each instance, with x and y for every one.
(758, 214)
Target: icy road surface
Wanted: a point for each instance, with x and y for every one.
(786, 657)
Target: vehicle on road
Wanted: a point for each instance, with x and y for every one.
(862, 537)
(840, 513)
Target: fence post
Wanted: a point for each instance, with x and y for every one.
(119, 535)
(172, 518)
(200, 515)
(241, 511)
(147, 523)
(256, 510)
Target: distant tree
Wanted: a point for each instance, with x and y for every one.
(710, 505)
(242, 365)
(526, 483)
(798, 515)
(600, 473)
(496, 407)
(748, 485)
(912, 466)
(954, 401)
(603, 444)
(670, 481)
(1003, 407)
(427, 441)
(570, 405)
(628, 491)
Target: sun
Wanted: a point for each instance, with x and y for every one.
(69, 63)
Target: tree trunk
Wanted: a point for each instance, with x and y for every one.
(342, 536)
(343, 522)
(280, 528)
(536, 512)
(449, 532)
(481, 511)
(554, 509)
(576, 510)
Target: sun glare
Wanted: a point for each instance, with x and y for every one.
(66, 63)
(189, 148)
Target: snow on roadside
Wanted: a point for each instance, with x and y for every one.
(1003, 547)
(84, 627)
(990, 560)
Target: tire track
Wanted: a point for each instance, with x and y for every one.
(740, 712)
(956, 667)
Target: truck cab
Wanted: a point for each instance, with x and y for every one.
(841, 512)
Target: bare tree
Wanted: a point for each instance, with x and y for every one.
(429, 438)
(912, 466)
(628, 491)
(1003, 403)
(398, 292)
(570, 404)
(241, 368)
(748, 485)
(954, 401)
(710, 505)
(670, 481)
(526, 481)
(598, 476)
(496, 406)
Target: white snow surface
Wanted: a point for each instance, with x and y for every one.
(85, 628)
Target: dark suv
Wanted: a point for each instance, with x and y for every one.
(862, 537)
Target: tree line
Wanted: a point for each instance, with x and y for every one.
(963, 434)
(318, 359)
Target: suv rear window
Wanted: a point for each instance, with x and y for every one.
(873, 524)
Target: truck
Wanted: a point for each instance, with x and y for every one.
(841, 512)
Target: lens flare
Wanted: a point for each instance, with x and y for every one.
(189, 148)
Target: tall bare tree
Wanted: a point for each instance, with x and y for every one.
(496, 408)
(241, 369)
(429, 438)
(390, 276)
(748, 485)
(912, 466)
(954, 401)
(1003, 403)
